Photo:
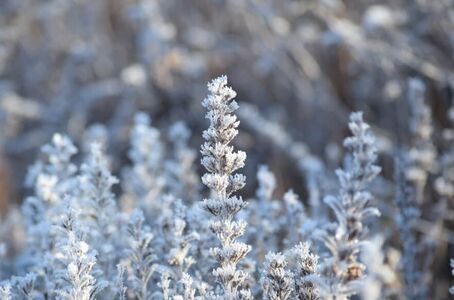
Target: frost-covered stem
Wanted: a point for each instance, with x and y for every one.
(221, 162)
(351, 208)
(354, 197)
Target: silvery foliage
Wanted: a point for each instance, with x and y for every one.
(158, 243)
(133, 53)
(220, 160)
(342, 271)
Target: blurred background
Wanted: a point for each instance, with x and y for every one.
(299, 67)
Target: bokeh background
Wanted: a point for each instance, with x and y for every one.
(299, 67)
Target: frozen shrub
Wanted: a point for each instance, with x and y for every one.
(152, 236)
(342, 271)
(221, 162)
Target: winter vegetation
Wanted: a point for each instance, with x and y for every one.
(321, 168)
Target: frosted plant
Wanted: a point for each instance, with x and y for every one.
(422, 156)
(78, 278)
(144, 180)
(277, 281)
(182, 180)
(304, 266)
(221, 162)
(343, 271)
(141, 255)
(99, 207)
